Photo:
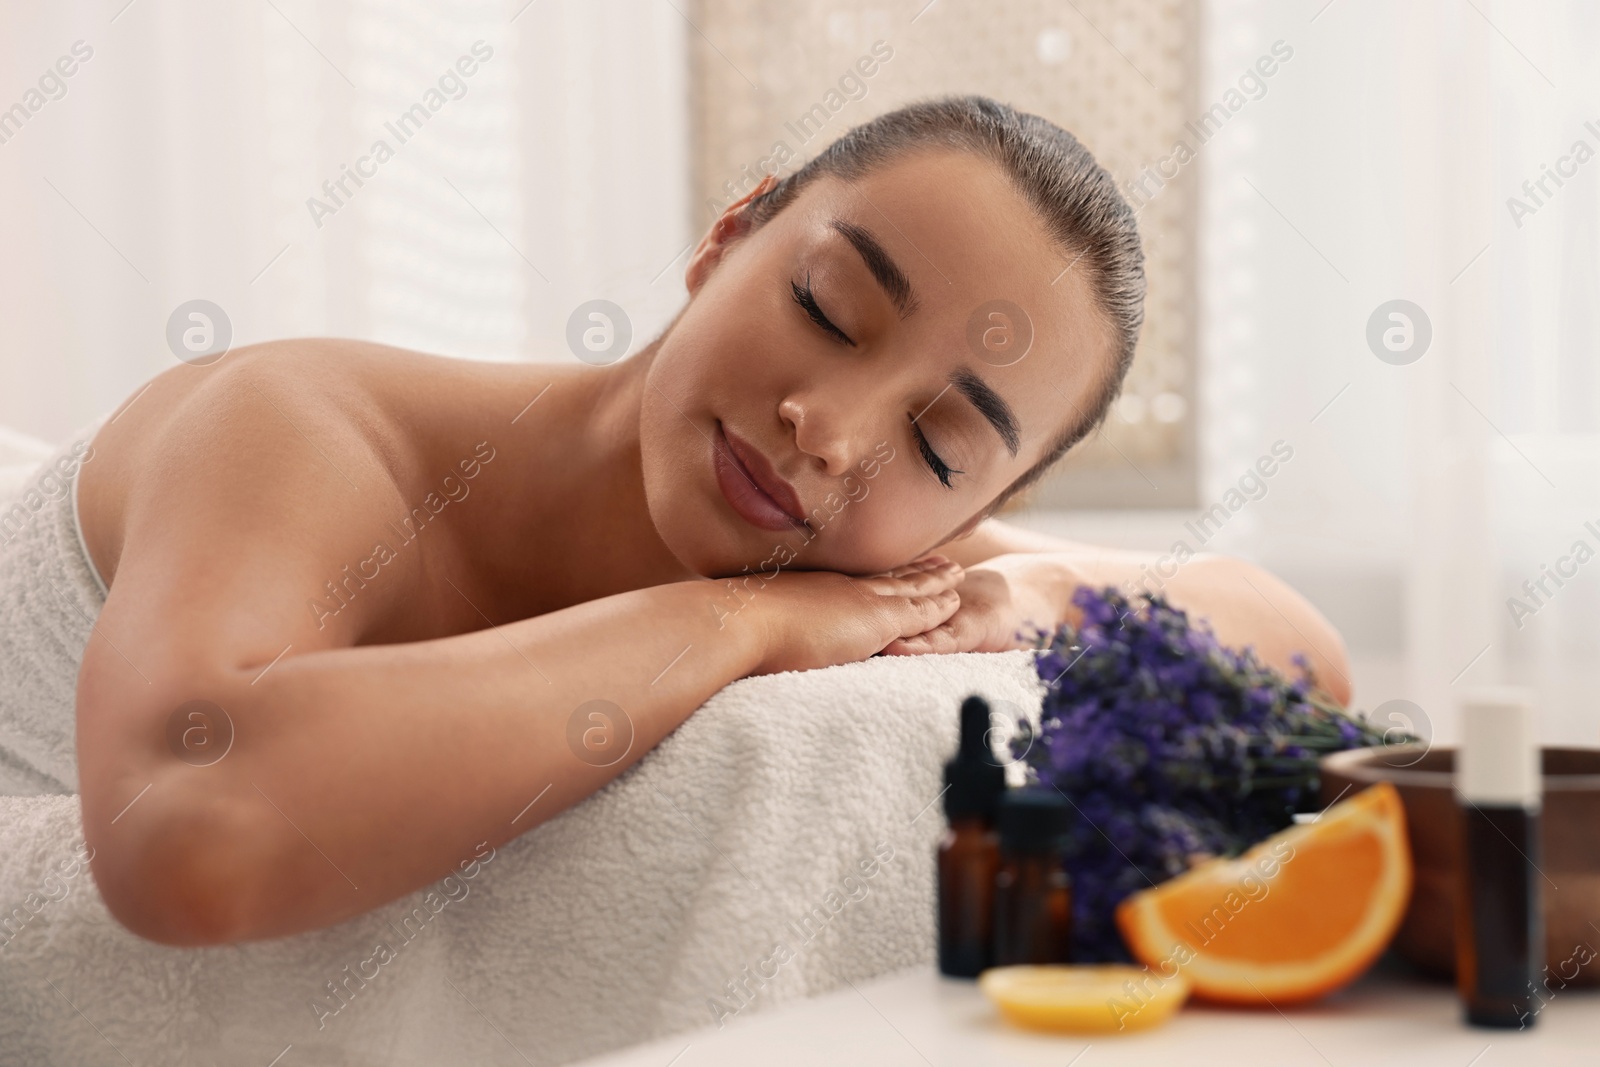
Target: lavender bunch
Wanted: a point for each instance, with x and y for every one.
(1171, 748)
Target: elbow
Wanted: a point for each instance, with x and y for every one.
(182, 882)
(181, 853)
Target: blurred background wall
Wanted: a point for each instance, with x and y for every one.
(1337, 156)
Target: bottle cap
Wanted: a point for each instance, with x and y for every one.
(974, 778)
(1033, 820)
(1498, 762)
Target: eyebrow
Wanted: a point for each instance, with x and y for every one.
(889, 275)
(991, 405)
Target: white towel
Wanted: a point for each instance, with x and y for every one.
(778, 844)
(49, 600)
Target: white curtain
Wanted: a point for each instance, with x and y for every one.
(177, 160)
(1378, 166)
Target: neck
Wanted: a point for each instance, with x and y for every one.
(581, 527)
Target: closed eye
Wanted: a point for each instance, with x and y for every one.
(939, 467)
(808, 303)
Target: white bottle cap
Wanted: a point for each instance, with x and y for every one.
(1498, 762)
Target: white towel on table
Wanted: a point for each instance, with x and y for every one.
(729, 866)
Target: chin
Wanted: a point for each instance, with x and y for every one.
(714, 543)
(694, 539)
(708, 539)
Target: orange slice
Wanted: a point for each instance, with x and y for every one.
(1104, 998)
(1301, 914)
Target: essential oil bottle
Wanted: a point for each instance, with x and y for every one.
(969, 855)
(1499, 918)
(1033, 897)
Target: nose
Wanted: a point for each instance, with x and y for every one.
(829, 429)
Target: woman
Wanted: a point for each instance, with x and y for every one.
(391, 568)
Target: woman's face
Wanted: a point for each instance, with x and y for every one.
(847, 388)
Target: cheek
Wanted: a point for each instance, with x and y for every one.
(667, 467)
(891, 526)
(672, 450)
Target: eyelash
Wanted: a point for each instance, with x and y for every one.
(937, 465)
(808, 303)
(807, 300)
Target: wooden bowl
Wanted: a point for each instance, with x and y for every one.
(1569, 858)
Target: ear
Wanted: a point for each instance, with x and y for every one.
(731, 225)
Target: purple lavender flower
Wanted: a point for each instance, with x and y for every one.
(1171, 747)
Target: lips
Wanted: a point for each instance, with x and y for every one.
(752, 486)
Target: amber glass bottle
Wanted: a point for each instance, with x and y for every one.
(969, 855)
(1033, 897)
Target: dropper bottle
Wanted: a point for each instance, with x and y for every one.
(969, 854)
(1499, 917)
(1033, 896)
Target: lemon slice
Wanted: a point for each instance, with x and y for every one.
(1104, 998)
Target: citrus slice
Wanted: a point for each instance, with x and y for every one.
(1301, 914)
(1088, 999)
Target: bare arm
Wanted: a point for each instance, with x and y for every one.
(1244, 604)
(359, 774)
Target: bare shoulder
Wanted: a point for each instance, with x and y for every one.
(232, 499)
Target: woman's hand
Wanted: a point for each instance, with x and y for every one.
(819, 618)
(1001, 598)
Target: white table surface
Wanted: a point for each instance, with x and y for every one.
(917, 1019)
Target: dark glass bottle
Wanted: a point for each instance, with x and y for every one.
(1033, 896)
(1499, 918)
(969, 854)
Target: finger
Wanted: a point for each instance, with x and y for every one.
(945, 574)
(922, 613)
(925, 582)
(941, 639)
(955, 634)
(961, 633)
(915, 645)
(903, 571)
(915, 566)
